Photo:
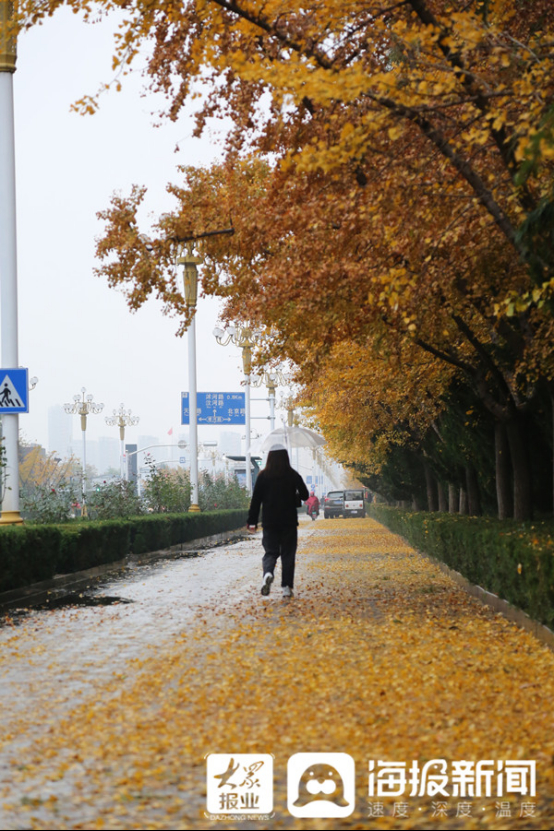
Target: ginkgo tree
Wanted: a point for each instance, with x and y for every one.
(321, 266)
(408, 178)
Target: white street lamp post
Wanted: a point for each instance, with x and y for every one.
(122, 418)
(190, 261)
(83, 406)
(271, 380)
(245, 339)
(8, 262)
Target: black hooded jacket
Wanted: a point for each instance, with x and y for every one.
(277, 496)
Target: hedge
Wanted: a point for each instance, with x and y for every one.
(511, 559)
(32, 553)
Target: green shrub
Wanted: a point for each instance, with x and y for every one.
(216, 493)
(153, 533)
(32, 553)
(513, 560)
(89, 544)
(166, 491)
(28, 555)
(113, 500)
(46, 504)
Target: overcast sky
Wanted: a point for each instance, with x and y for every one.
(73, 330)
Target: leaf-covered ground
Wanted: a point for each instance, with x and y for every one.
(379, 655)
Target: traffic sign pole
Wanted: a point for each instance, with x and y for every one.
(8, 270)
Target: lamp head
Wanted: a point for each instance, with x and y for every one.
(191, 284)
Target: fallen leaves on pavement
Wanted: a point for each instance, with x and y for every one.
(379, 655)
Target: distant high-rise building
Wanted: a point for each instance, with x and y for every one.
(60, 431)
(108, 454)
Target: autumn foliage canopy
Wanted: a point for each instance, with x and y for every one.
(388, 174)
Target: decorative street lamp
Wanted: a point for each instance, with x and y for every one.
(189, 260)
(245, 339)
(272, 379)
(122, 418)
(187, 257)
(83, 406)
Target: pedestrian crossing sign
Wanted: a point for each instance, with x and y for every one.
(14, 390)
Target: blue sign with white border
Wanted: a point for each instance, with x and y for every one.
(14, 390)
(215, 408)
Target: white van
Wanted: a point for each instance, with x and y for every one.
(354, 503)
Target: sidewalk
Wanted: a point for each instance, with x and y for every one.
(108, 713)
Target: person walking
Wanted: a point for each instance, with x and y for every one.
(312, 506)
(278, 491)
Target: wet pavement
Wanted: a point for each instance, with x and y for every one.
(78, 645)
(109, 710)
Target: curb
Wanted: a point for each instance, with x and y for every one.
(517, 616)
(62, 584)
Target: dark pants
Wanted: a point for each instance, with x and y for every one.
(280, 543)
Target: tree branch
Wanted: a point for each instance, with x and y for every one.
(463, 167)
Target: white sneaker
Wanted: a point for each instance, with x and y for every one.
(287, 591)
(268, 580)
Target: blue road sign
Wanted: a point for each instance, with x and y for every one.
(215, 408)
(14, 390)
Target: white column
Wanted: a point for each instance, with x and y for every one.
(193, 427)
(272, 408)
(122, 472)
(248, 452)
(8, 292)
(84, 476)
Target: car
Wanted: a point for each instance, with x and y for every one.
(354, 504)
(334, 504)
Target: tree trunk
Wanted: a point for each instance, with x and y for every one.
(552, 400)
(472, 485)
(416, 504)
(503, 471)
(463, 501)
(430, 486)
(443, 504)
(452, 499)
(523, 499)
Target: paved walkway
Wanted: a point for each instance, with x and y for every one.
(109, 712)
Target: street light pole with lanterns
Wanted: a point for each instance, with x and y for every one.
(122, 418)
(272, 379)
(189, 260)
(188, 256)
(245, 339)
(83, 406)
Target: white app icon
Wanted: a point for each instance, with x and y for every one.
(321, 785)
(238, 783)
